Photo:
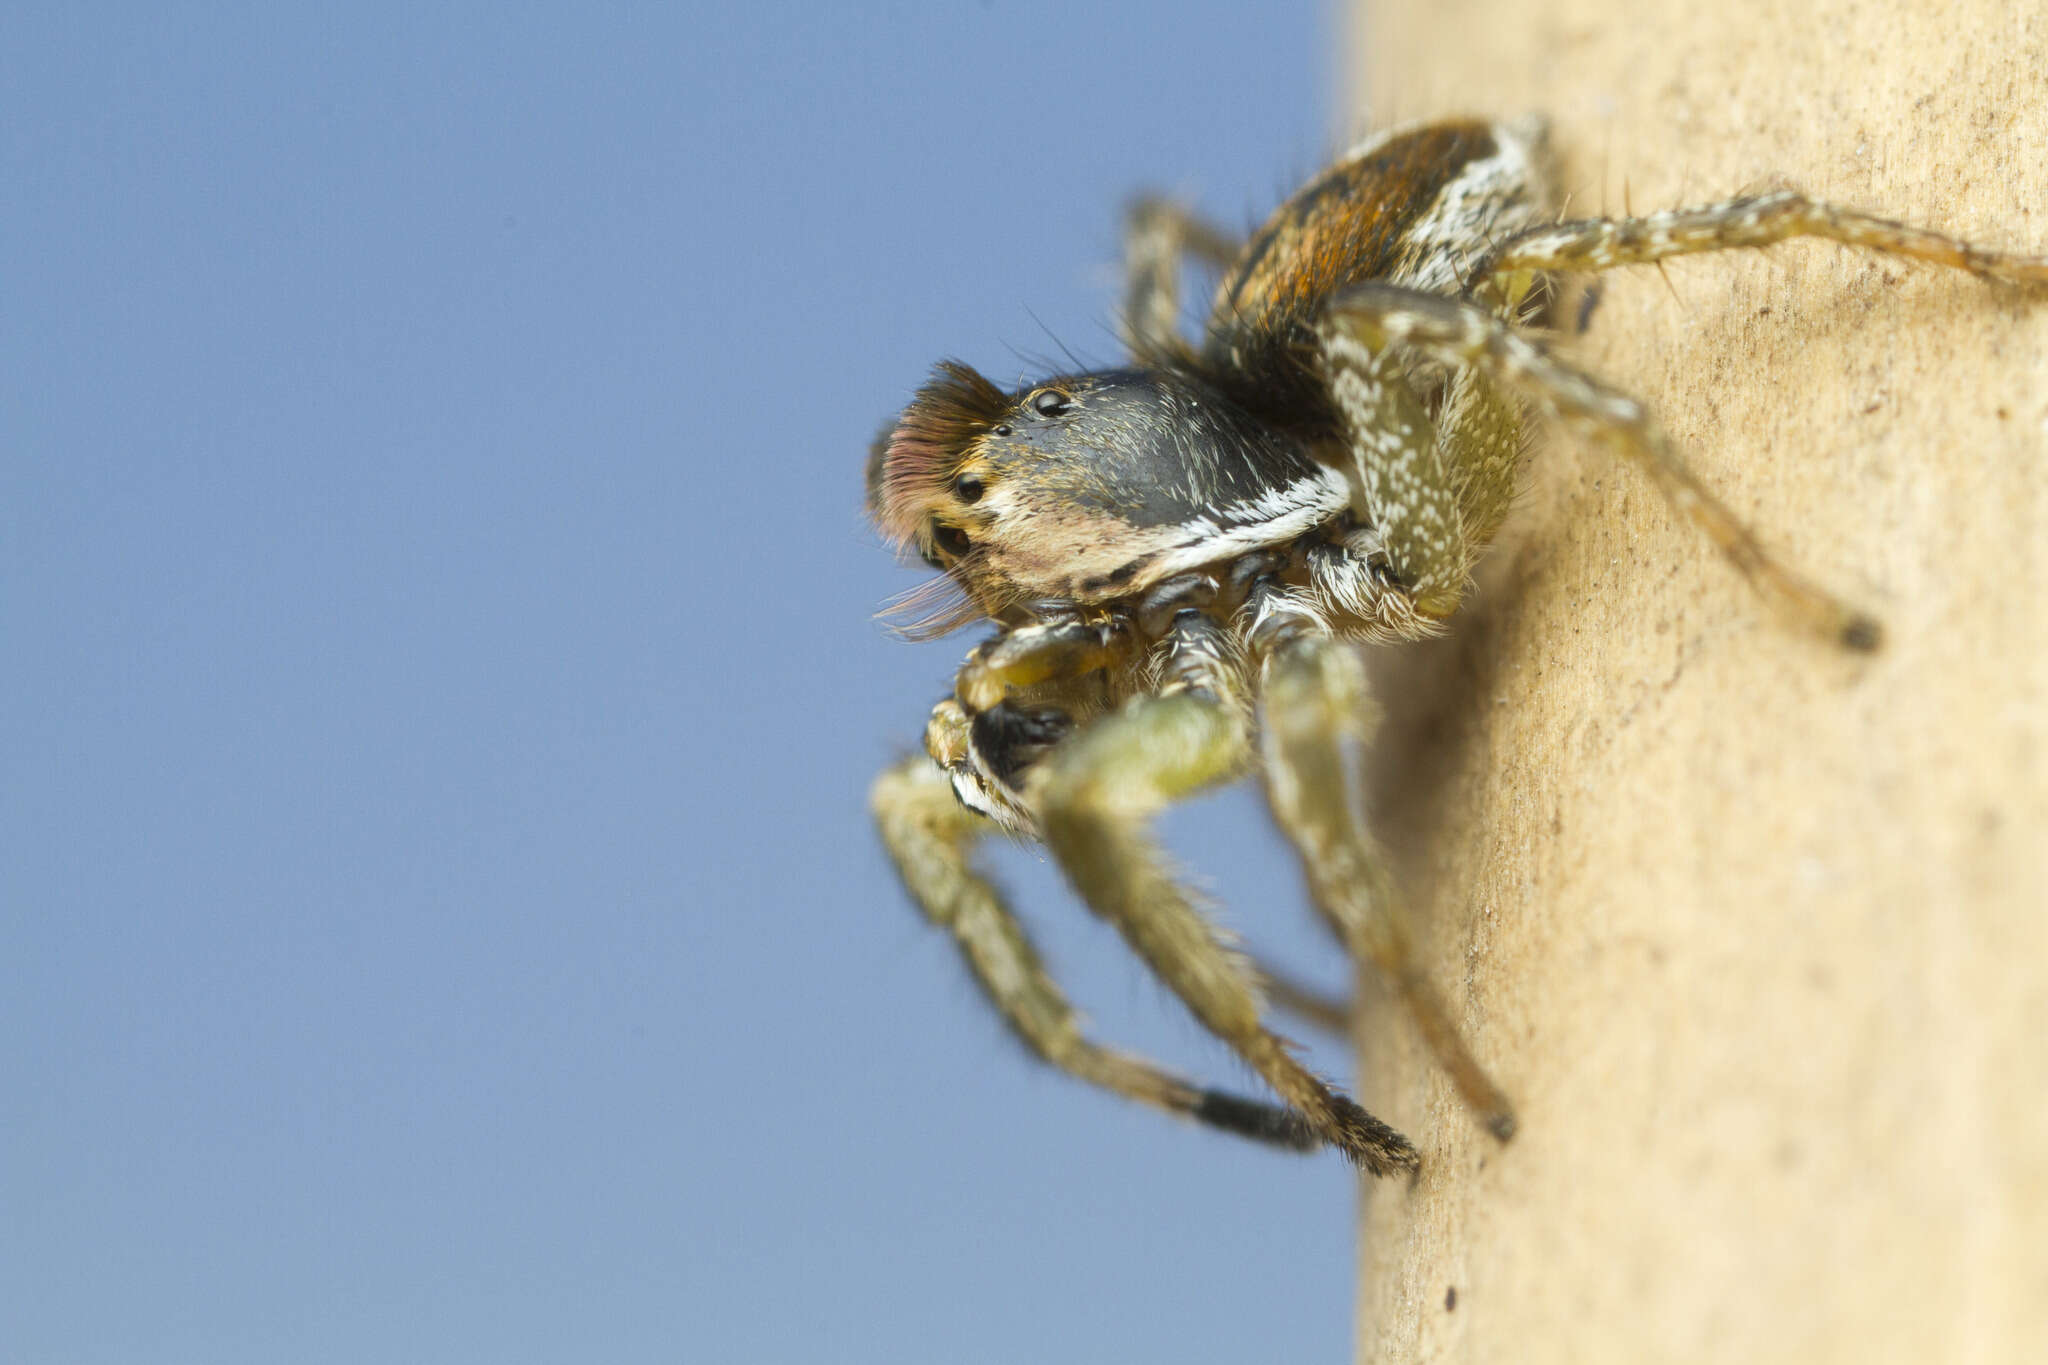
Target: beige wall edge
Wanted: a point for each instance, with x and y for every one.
(1756, 935)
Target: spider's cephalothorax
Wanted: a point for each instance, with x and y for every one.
(1176, 555)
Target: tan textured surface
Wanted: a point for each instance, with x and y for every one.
(1756, 934)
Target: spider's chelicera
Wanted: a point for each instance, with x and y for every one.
(1178, 554)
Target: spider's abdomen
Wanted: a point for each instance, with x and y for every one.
(1404, 208)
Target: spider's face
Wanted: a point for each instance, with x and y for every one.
(1086, 488)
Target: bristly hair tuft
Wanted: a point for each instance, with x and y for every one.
(909, 467)
(935, 607)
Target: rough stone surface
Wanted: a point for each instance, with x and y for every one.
(1755, 932)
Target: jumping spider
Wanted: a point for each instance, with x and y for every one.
(1177, 555)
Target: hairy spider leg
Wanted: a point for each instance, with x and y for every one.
(1459, 332)
(1758, 220)
(931, 837)
(1745, 222)
(1313, 699)
(1158, 235)
(1030, 656)
(949, 740)
(1289, 994)
(1095, 798)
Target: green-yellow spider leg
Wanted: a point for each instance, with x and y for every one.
(1095, 798)
(1313, 701)
(931, 838)
(1748, 221)
(1159, 236)
(1461, 333)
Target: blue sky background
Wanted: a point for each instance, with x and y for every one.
(440, 919)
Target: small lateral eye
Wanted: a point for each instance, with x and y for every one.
(1003, 429)
(1050, 402)
(967, 488)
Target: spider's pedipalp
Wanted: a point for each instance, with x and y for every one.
(1034, 654)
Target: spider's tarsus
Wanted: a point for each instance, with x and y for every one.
(1388, 1161)
(1370, 1143)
